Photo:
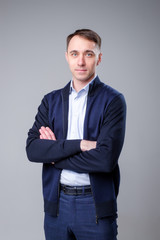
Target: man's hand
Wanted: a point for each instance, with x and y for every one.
(86, 145)
(46, 133)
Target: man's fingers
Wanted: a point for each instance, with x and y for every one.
(51, 133)
(42, 134)
(46, 133)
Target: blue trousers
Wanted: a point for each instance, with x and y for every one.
(77, 221)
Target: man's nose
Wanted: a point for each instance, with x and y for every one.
(81, 60)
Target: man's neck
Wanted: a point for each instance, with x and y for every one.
(78, 85)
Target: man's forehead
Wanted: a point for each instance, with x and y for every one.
(80, 42)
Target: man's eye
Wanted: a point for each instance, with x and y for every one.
(74, 54)
(89, 54)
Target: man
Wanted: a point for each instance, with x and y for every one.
(78, 136)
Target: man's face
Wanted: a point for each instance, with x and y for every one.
(82, 56)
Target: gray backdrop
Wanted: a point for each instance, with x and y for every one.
(32, 64)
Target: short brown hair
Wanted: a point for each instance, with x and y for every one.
(87, 34)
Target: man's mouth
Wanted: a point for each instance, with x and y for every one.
(80, 70)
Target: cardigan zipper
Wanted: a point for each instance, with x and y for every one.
(58, 200)
(94, 205)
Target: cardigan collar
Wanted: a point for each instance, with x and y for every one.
(93, 87)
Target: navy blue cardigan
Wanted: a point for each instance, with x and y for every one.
(104, 123)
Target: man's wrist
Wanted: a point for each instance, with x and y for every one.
(82, 145)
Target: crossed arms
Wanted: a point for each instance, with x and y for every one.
(82, 156)
(46, 133)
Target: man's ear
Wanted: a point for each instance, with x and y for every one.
(99, 59)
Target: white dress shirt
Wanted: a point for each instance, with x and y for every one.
(76, 115)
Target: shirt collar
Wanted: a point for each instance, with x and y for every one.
(85, 88)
